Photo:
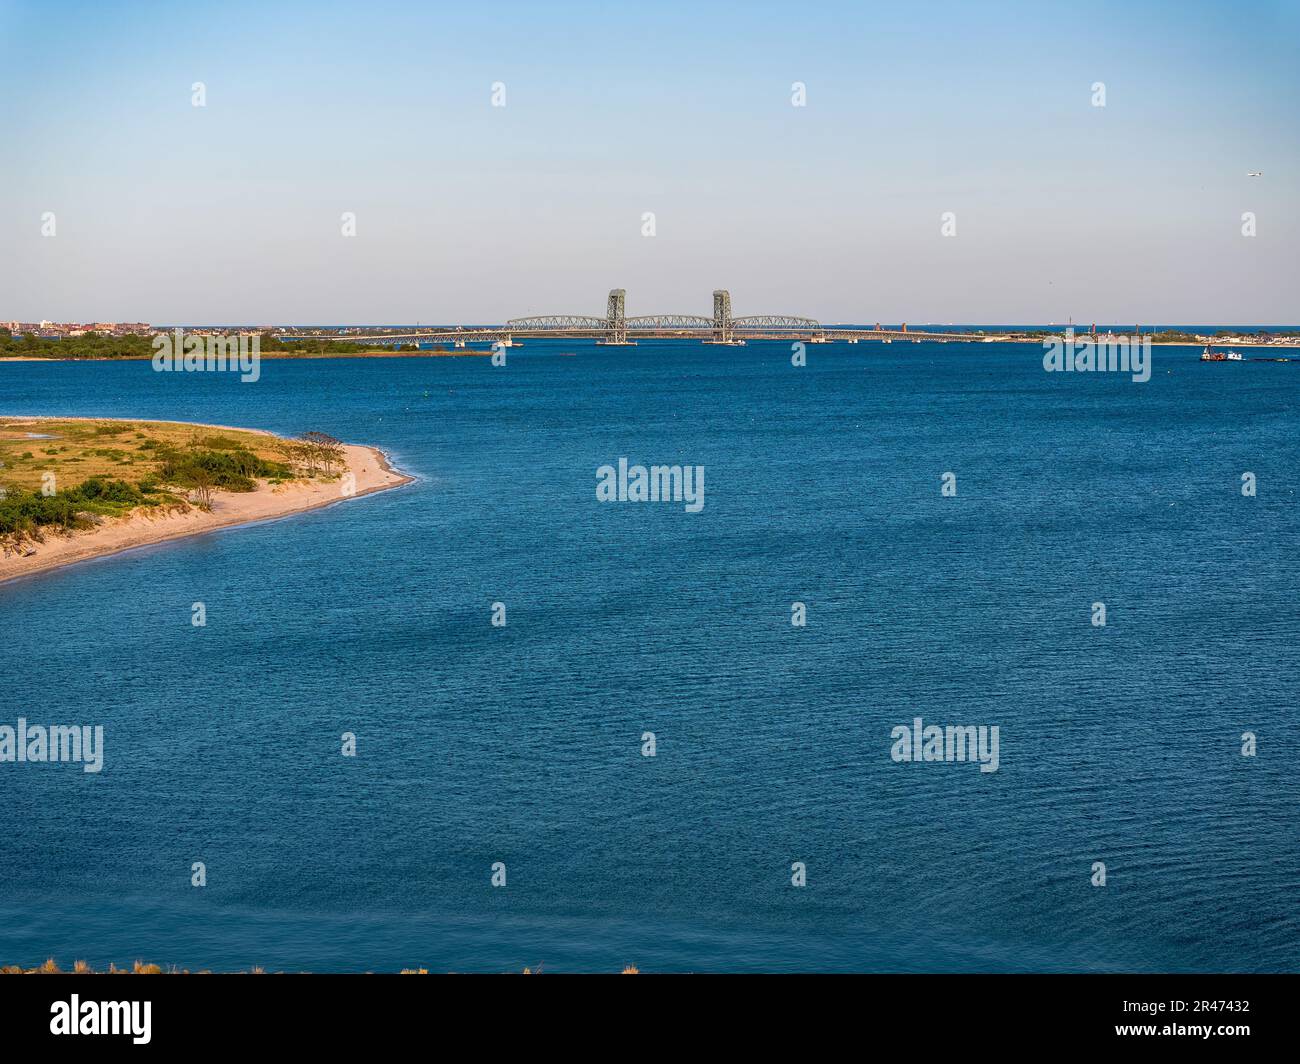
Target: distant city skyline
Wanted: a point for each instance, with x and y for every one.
(122, 201)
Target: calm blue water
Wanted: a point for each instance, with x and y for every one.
(522, 744)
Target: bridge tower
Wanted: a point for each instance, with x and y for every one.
(616, 317)
(722, 316)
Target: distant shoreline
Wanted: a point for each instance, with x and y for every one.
(368, 465)
(486, 353)
(464, 353)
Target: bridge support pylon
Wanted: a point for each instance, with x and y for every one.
(616, 320)
(722, 330)
(722, 315)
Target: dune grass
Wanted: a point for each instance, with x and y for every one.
(126, 450)
(62, 475)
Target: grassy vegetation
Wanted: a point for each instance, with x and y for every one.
(64, 475)
(26, 513)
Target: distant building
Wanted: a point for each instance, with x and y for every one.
(55, 329)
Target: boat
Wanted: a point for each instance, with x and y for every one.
(1213, 356)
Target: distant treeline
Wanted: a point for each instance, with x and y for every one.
(90, 345)
(102, 345)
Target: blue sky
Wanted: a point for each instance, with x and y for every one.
(467, 212)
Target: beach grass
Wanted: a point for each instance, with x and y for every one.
(134, 451)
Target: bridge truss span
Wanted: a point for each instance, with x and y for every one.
(557, 323)
(775, 321)
(669, 322)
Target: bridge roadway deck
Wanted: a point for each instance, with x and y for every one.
(496, 333)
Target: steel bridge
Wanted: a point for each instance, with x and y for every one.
(617, 329)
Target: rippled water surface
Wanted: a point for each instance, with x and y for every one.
(522, 744)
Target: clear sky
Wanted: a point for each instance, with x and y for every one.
(466, 212)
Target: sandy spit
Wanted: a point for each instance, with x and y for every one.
(367, 464)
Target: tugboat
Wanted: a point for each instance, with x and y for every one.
(1213, 356)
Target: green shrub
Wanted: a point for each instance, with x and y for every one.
(26, 512)
(232, 470)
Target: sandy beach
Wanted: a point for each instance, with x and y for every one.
(367, 465)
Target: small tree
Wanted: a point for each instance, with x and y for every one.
(202, 485)
(324, 451)
(297, 454)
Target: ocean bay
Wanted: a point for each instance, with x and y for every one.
(522, 743)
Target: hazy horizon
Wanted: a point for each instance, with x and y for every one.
(469, 212)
